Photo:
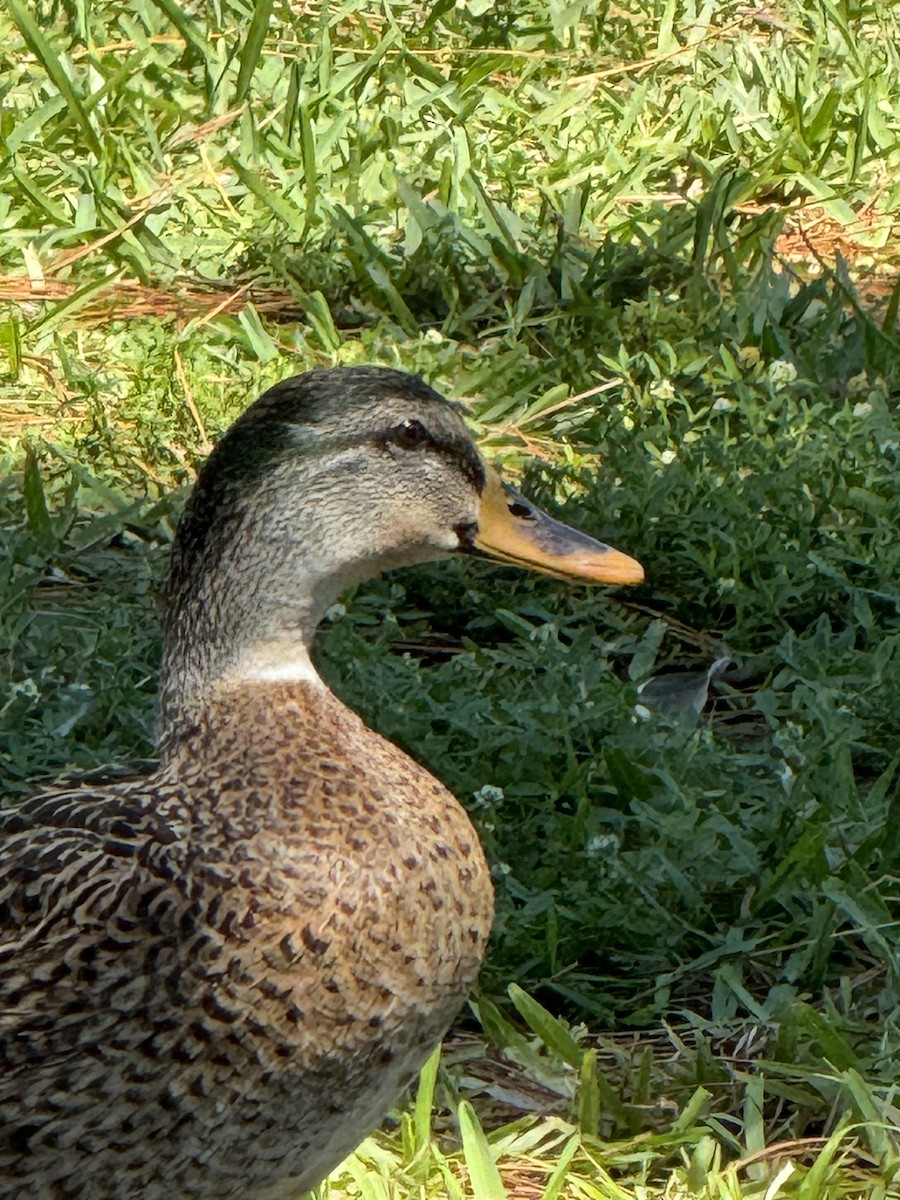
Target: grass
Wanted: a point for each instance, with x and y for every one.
(655, 244)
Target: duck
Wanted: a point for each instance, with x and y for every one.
(217, 978)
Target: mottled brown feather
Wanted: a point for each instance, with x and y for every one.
(225, 972)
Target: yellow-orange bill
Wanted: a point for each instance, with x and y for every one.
(511, 530)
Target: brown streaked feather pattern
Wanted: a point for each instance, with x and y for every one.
(214, 980)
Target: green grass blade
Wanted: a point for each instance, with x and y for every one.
(425, 1099)
(291, 104)
(551, 1030)
(48, 206)
(881, 1135)
(690, 1114)
(308, 154)
(589, 1095)
(891, 312)
(11, 344)
(754, 1125)
(187, 27)
(483, 1172)
(557, 1179)
(285, 212)
(49, 60)
(319, 316)
(252, 51)
(37, 516)
(817, 1177)
(66, 309)
(257, 336)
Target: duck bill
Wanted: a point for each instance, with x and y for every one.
(510, 530)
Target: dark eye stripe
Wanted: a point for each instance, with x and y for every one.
(412, 435)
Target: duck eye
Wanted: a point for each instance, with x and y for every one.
(521, 510)
(409, 435)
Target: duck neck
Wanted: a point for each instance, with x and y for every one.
(267, 543)
(227, 626)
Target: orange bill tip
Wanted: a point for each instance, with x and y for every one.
(510, 530)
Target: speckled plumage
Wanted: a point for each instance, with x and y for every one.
(217, 978)
(231, 963)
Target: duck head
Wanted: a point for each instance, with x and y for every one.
(330, 478)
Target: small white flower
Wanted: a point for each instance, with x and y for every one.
(433, 337)
(781, 372)
(668, 456)
(723, 404)
(603, 843)
(26, 688)
(785, 776)
(726, 585)
(487, 796)
(862, 410)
